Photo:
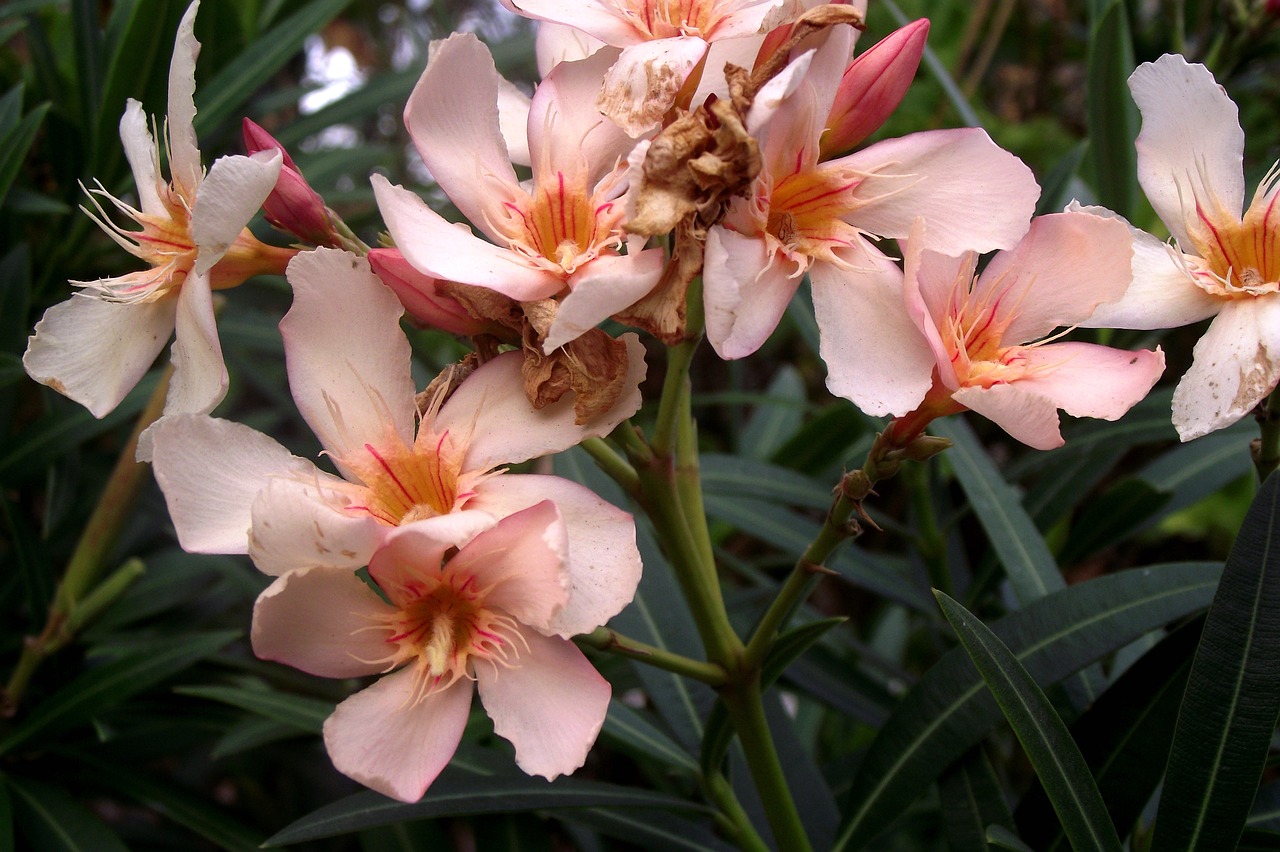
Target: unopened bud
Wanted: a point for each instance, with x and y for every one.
(293, 206)
(421, 295)
(873, 86)
(925, 447)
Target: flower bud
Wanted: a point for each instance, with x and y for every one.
(421, 296)
(293, 206)
(873, 86)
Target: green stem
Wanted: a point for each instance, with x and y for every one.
(605, 639)
(1266, 455)
(735, 819)
(615, 466)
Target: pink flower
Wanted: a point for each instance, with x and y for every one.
(488, 614)
(1222, 265)
(807, 216)
(293, 205)
(421, 295)
(872, 87)
(231, 489)
(95, 346)
(988, 341)
(561, 236)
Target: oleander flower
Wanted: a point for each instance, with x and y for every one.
(486, 614)
(95, 346)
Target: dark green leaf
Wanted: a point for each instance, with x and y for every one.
(251, 733)
(632, 732)
(730, 476)
(1266, 807)
(1233, 696)
(51, 821)
(776, 417)
(7, 841)
(656, 830)
(107, 685)
(1112, 517)
(1002, 838)
(34, 567)
(1113, 124)
(1055, 189)
(305, 714)
(972, 802)
(949, 710)
(1259, 840)
(14, 147)
(1044, 736)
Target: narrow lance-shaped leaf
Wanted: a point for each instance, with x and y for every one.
(1043, 734)
(1113, 122)
(972, 802)
(1233, 695)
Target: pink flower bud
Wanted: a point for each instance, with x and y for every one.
(420, 294)
(873, 86)
(293, 206)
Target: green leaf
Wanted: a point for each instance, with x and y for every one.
(457, 794)
(7, 841)
(729, 476)
(630, 731)
(1111, 518)
(656, 830)
(14, 147)
(1044, 736)
(1258, 840)
(218, 99)
(1055, 189)
(51, 821)
(776, 417)
(305, 714)
(1002, 838)
(100, 688)
(1113, 123)
(1233, 695)
(32, 563)
(940, 73)
(950, 710)
(971, 803)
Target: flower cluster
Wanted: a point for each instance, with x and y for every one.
(690, 165)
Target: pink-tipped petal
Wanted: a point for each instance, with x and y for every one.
(421, 295)
(492, 408)
(1087, 380)
(94, 351)
(140, 151)
(229, 197)
(184, 150)
(210, 471)
(873, 86)
(975, 195)
(347, 358)
(642, 84)
(550, 705)
(745, 292)
(419, 547)
(445, 250)
(452, 116)
(1191, 147)
(318, 620)
(606, 286)
(875, 355)
(1235, 366)
(391, 743)
(1028, 417)
(304, 521)
(199, 379)
(603, 563)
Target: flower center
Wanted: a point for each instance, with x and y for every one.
(802, 213)
(164, 243)
(404, 484)
(561, 225)
(655, 19)
(1239, 259)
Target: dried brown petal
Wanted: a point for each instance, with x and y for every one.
(593, 367)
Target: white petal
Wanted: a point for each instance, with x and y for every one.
(301, 521)
(318, 620)
(598, 19)
(504, 427)
(745, 292)
(233, 191)
(565, 128)
(605, 286)
(391, 743)
(556, 43)
(551, 705)
(1235, 366)
(199, 375)
(603, 563)
(140, 151)
(513, 120)
(94, 351)
(210, 470)
(347, 358)
(1191, 146)
(184, 151)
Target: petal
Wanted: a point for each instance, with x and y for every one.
(94, 351)
(875, 355)
(232, 192)
(1191, 147)
(199, 379)
(929, 281)
(593, 17)
(1066, 265)
(419, 547)
(606, 286)
(733, 51)
(392, 743)
(140, 151)
(1087, 380)
(513, 121)
(974, 195)
(642, 84)
(522, 558)
(184, 151)
(566, 130)
(745, 292)
(318, 620)
(603, 564)
(1028, 417)
(347, 358)
(550, 705)
(446, 250)
(504, 427)
(210, 470)
(556, 43)
(1235, 366)
(452, 116)
(298, 522)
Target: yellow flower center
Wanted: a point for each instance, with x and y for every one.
(1239, 259)
(403, 483)
(655, 19)
(562, 225)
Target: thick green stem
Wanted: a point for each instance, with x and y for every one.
(615, 466)
(605, 639)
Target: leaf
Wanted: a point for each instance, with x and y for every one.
(1044, 736)
(949, 710)
(731, 476)
(14, 147)
(305, 714)
(776, 417)
(99, 688)
(654, 830)
(1266, 807)
(1232, 700)
(631, 731)
(1055, 189)
(32, 563)
(971, 803)
(250, 734)
(1002, 838)
(51, 821)
(1111, 518)
(7, 840)
(1113, 123)
(458, 794)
